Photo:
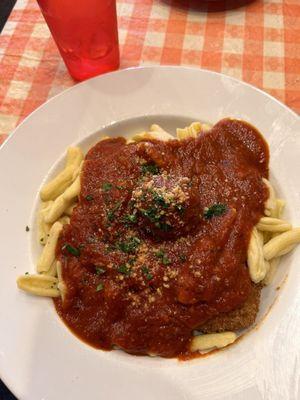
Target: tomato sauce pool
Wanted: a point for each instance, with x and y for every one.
(157, 244)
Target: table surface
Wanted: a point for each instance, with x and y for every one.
(256, 41)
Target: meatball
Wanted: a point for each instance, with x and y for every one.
(166, 205)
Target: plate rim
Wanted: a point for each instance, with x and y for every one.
(121, 71)
(138, 68)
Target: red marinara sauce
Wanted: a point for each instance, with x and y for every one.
(157, 244)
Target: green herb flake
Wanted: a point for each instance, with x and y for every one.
(123, 269)
(147, 273)
(130, 245)
(150, 168)
(117, 205)
(182, 257)
(74, 251)
(110, 215)
(215, 210)
(152, 213)
(132, 260)
(106, 186)
(163, 256)
(160, 253)
(26, 273)
(130, 218)
(159, 200)
(100, 271)
(27, 229)
(89, 197)
(166, 260)
(120, 187)
(99, 287)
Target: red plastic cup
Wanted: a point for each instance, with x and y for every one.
(86, 34)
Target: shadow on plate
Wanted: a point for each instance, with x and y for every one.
(209, 5)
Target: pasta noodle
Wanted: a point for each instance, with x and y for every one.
(190, 131)
(280, 204)
(61, 285)
(43, 227)
(271, 272)
(268, 224)
(158, 134)
(39, 285)
(48, 254)
(77, 171)
(64, 220)
(52, 270)
(56, 210)
(62, 202)
(278, 245)
(270, 205)
(69, 209)
(212, 340)
(258, 267)
(54, 188)
(278, 239)
(158, 128)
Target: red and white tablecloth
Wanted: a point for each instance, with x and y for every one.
(258, 43)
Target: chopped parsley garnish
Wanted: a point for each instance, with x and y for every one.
(132, 260)
(215, 210)
(160, 253)
(99, 287)
(147, 273)
(120, 187)
(163, 256)
(159, 200)
(89, 197)
(123, 269)
(74, 251)
(130, 245)
(26, 273)
(166, 260)
(130, 218)
(150, 168)
(152, 214)
(106, 186)
(111, 213)
(100, 271)
(27, 229)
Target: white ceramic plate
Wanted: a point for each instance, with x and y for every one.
(39, 357)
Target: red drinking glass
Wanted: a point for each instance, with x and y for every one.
(86, 34)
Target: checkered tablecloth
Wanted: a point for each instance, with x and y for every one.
(258, 43)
